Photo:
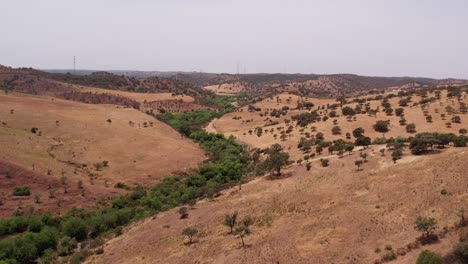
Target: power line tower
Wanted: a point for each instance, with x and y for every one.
(74, 64)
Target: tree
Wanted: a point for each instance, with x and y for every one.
(460, 141)
(243, 229)
(426, 225)
(230, 220)
(396, 154)
(358, 163)
(363, 141)
(324, 162)
(276, 159)
(411, 128)
(381, 126)
(382, 151)
(358, 132)
(399, 111)
(348, 111)
(428, 257)
(349, 148)
(183, 212)
(190, 232)
(456, 119)
(37, 197)
(76, 228)
(336, 130)
(308, 166)
(461, 251)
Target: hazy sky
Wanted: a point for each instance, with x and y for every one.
(370, 37)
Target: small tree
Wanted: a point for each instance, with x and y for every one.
(358, 132)
(52, 193)
(358, 163)
(363, 141)
(336, 130)
(37, 197)
(308, 166)
(80, 184)
(381, 126)
(63, 180)
(396, 154)
(190, 232)
(243, 229)
(427, 225)
(411, 128)
(461, 251)
(363, 155)
(230, 220)
(276, 159)
(349, 148)
(428, 257)
(183, 212)
(324, 162)
(456, 119)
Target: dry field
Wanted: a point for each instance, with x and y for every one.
(240, 123)
(73, 138)
(327, 215)
(139, 97)
(226, 88)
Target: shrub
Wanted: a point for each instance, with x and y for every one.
(21, 191)
(336, 130)
(324, 162)
(427, 225)
(183, 212)
(461, 251)
(428, 257)
(190, 232)
(381, 126)
(443, 192)
(411, 128)
(76, 228)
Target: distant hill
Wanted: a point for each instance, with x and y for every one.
(191, 83)
(38, 82)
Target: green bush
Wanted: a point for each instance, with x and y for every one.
(461, 251)
(76, 228)
(428, 257)
(21, 191)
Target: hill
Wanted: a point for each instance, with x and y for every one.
(327, 215)
(31, 80)
(101, 145)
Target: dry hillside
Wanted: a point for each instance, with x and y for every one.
(75, 139)
(328, 215)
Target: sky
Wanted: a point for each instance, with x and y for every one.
(425, 38)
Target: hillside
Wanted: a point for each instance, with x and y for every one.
(328, 215)
(74, 139)
(274, 120)
(31, 81)
(303, 84)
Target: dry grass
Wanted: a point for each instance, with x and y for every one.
(236, 123)
(140, 97)
(138, 148)
(327, 215)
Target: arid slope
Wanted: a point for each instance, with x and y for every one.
(328, 215)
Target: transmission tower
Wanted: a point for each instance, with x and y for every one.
(74, 64)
